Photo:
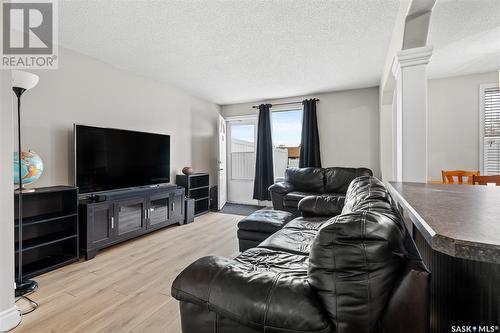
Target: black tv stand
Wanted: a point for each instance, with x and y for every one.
(117, 216)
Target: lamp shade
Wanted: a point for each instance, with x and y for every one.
(24, 80)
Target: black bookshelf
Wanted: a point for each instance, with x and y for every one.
(50, 229)
(197, 187)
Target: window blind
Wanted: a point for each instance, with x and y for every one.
(491, 130)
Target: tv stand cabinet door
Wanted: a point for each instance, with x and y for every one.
(130, 216)
(177, 206)
(101, 225)
(159, 213)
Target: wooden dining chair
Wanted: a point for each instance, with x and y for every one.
(483, 180)
(449, 176)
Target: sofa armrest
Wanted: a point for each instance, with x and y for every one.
(321, 205)
(254, 297)
(278, 192)
(281, 187)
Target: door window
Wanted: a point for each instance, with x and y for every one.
(242, 151)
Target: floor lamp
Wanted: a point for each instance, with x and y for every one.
(21, 81)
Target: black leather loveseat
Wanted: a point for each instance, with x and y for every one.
(358, 272)
(332, 183)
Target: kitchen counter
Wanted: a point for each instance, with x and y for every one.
(462, 221)
(457, 230)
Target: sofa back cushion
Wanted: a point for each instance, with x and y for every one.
(337, 179)
(355, 260)
(367, 193)
(306, 179)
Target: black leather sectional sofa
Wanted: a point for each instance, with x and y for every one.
(358, 272)
(330, 183)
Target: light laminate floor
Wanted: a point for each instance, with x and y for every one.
(126, 288)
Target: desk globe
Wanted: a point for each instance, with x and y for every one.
(31, 167)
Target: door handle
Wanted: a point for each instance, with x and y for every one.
(173, 206)
(112, 222)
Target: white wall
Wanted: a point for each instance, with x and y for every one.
(9, 316)
(348, 123)
(387, 127)
(453, 122)
(87, 91)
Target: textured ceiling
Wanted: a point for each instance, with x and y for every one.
(466, 37)
(237, 50)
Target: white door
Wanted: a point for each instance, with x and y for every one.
(222, 164)
(241, 159)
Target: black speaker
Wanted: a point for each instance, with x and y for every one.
(214, 198)
(189, 211)
(125, 193)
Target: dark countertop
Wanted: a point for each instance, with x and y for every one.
(462, 221)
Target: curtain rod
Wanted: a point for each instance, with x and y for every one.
(287, 103)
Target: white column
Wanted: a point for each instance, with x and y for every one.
(9, 314)
(410, 71)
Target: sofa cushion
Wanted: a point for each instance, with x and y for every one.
(277, 261)
(297, 241)
(254, 294)
(310, 223)
(354, 263)
(265, 220)
(306, 179)
(337, 179)
(322, 205)
(292, 199)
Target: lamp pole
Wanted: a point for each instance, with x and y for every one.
(19, 92)
(22, 286)
(21, 81)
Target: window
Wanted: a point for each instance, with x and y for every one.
(287, 130)
(242, 140)
(490, 129)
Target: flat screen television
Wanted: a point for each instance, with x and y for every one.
(110, 159)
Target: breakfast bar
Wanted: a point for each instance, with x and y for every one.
(457, 230)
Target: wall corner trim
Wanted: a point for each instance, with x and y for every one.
(9, 319)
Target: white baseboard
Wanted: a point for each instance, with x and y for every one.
(9, 319)
(253, 202)
(266, 203)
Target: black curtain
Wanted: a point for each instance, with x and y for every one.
(309, 145)
(264, 175)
